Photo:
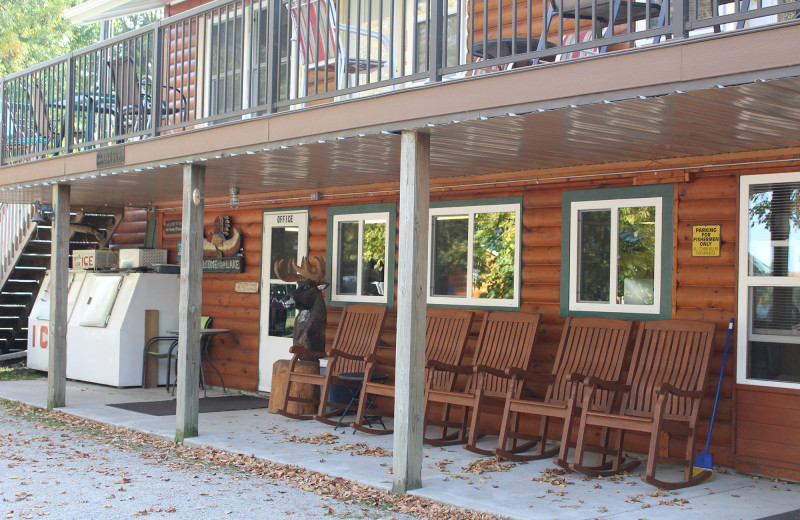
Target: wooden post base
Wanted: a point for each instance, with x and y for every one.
(280, 373)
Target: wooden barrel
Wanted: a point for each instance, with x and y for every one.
(280, 373)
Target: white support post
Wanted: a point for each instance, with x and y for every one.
(190, 306)
(59, 273)
(411, 311)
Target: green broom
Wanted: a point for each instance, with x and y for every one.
(704, 461)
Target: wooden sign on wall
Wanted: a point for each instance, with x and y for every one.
(172, 227)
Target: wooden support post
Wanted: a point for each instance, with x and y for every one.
(190, 307)
(411, 310)
(59, 273)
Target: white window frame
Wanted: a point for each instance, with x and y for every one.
(470, 211)
(613, 205)
(744, 326)
(360, 218)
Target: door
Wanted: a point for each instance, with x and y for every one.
(285, 237)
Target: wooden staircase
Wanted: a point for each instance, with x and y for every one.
(25, 257)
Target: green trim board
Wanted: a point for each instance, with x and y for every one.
(391, 243)
(664, 191)
(151, 232)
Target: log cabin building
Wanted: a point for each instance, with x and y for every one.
(647, 169)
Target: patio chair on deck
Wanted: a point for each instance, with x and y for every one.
(46, 134)
(506, 340)
(356, 338)
(607, 13)
(590, 347)
(446, 333)
(132, 101)
(328, 46)
(662, 397)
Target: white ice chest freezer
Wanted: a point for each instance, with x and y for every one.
(105, 331)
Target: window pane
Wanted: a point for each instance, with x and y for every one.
(774, 237)
(281, 319)
(493, 255)
(774, 311)
(594, 255)
(374, 258)
(450, 243)
(283, 245)
(637, 255)
(348, 258)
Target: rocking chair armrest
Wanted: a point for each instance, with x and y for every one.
(604, 384)
(382, 353)
(446, 367)
(669, 388)
(376, 357)
(340, 353)
(489, 370)
(542, 378)
(576, 377)
(297, 350)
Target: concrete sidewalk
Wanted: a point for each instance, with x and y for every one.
(520, 491)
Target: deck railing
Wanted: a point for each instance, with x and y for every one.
(231, 60)
(15, 230)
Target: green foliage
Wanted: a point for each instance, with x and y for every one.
(34, 31)
(493, 255)
(785, 198)
(134, 21)
(595, 255)
(17, 372)
(637, 246)
(375, 244)
(450, 248)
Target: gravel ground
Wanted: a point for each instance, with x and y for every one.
(66, 473)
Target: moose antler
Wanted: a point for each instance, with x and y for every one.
(302, 272)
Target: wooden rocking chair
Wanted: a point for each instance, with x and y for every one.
(356, 337)
(506, 340)
(446, 333)
(590, 347)
(662, 397)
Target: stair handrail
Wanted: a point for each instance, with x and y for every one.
(16, 229)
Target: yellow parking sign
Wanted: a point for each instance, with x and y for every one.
(706, 240)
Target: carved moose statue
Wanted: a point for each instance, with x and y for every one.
(307, 298)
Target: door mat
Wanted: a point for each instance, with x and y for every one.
(207, 405)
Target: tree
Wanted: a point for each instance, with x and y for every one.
(34, 31)
(493, 255)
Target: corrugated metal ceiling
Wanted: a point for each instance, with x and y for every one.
(764, 115)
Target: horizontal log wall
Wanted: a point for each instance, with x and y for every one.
(234, 354)
(704, 288)
(131, 231)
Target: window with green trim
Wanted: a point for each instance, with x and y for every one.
(616, 251)
(474, 255)
(360, 256)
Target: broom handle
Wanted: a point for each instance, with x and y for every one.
(719, 384)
